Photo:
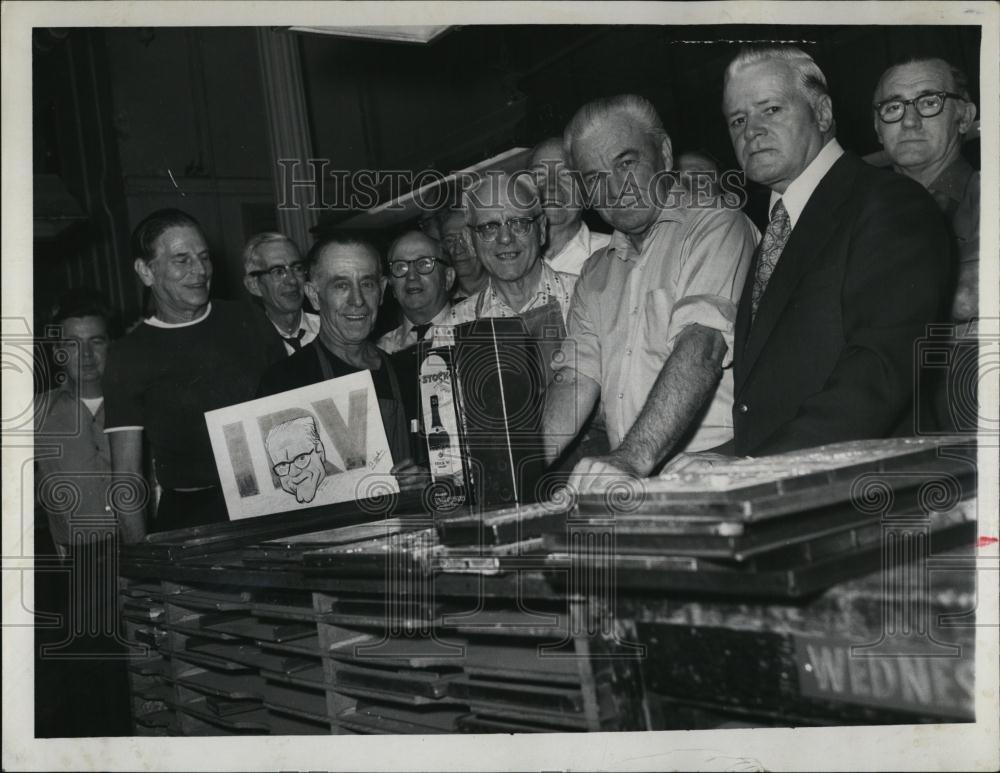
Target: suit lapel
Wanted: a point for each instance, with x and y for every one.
(819, 221)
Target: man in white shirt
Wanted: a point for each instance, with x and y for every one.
(852, 267)
(420, 278)
(569, 242)
(276, 274)
(651, 326)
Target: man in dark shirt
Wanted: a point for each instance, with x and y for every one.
(922, 112)
(193, 355)
(346, 285)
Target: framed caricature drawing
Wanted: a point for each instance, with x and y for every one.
(316, 445)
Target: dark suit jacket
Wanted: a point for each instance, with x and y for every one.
(830, 354)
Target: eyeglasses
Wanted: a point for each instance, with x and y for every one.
(400, 268)
(519, 226)
(282, 468)
(927, 106)
(278, 273)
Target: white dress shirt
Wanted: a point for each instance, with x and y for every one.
(797, 194)
(405, 336)
(574, 254)
(308, 323)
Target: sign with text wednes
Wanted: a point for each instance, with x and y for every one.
(310, 446)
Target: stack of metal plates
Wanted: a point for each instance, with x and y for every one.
(784, 526)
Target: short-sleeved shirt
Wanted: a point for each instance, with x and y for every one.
(552, 285)
(163, 378)
(629, 307)
(72, 454)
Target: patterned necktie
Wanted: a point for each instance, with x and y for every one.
(771, 246)
(295, 341)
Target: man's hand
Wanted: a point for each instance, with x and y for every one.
(410, 475)
(595, 473)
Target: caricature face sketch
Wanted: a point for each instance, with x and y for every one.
(297, 457)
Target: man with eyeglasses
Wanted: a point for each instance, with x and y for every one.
(851, 269)
(650, 331)
(420, 279)
(506, 227)
(276, 275)
(298, 457)
(922, 111)
(470, 276)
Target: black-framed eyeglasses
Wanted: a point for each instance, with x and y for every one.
(282, 468)
(278, 273)
(518, 226)
(400, 268)
(927, 106)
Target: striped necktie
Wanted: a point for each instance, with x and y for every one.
(775, 238)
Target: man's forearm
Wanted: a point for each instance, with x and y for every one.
(569, 399)
(688, 378)
(127, 479)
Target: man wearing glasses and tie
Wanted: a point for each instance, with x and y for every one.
(420, 279)
(276, 274)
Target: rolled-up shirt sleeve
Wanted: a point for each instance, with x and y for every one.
(581, 349)
(714, 268)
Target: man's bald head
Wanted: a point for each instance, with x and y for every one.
(419, 276)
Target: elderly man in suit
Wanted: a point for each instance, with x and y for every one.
(853, 265)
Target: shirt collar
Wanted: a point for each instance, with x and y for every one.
(547, 278)
(953, 179)
(580, 241)
(797, 194)
(621, 246)
(441, 318)
(300, 326)
(157, 322)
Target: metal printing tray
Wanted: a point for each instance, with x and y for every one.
(217, 537)
(797, 571)
(755, 489)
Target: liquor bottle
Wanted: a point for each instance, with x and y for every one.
(438, 438)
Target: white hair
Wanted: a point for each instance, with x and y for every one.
(638, 109)
(304, 426)
(251, 261)
(811, 80)
(520, 187)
